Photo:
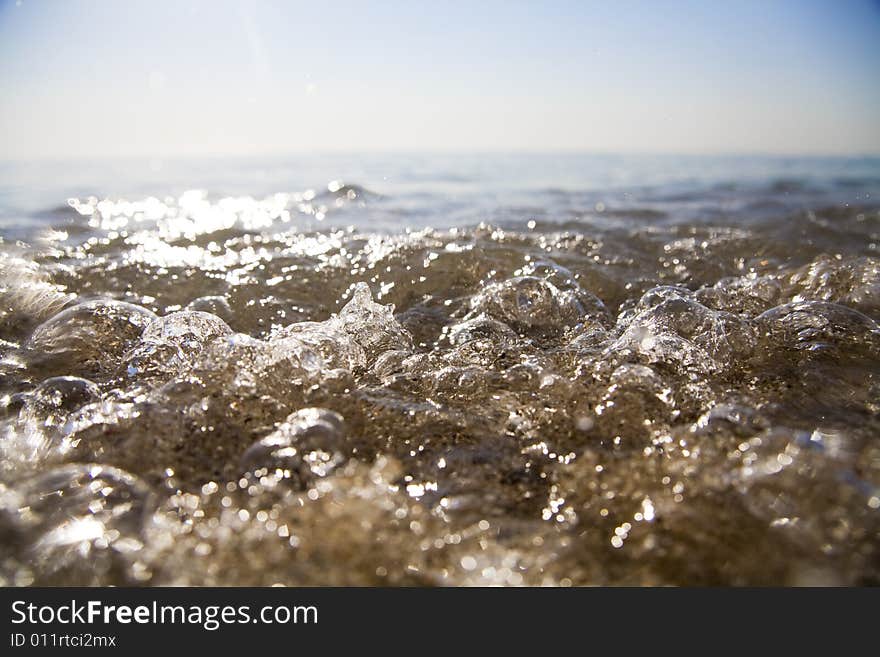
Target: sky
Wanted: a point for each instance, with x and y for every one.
(103, 78)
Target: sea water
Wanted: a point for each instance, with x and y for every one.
(528, 369)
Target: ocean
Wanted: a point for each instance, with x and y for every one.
(521, 369)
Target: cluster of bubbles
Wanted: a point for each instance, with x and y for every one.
(256, 404)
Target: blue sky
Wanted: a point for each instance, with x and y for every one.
(200, 77)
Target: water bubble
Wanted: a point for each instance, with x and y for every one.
(78, 522)
(669, 326)
(532, 306)
(88, 339)
(186, 329)
(215, 304)
(306, 445)
(818, 326)
(173, 342)
(46, 414)
(336, 347)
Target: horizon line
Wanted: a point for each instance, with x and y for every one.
(45, 159)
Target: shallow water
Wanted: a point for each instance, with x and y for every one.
(554, 370)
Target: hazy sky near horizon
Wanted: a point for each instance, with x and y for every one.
(202, 77)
